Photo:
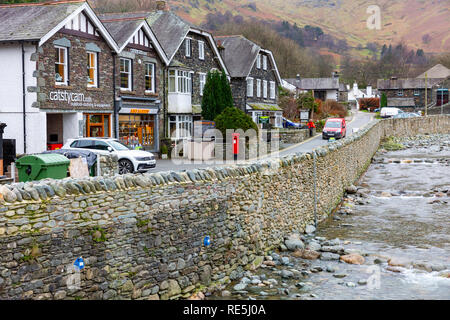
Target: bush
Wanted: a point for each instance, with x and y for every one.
(234, 118)
(332, 108)
(216, 95)
(164, 149)
(383, 101)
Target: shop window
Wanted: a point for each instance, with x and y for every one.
(125, 74)
(138, 130)
(180, 126)
(201, 50)
(97, 125)
(150, 77)
(61, 67)
(92, 74)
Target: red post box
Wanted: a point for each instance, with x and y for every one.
(235, 144)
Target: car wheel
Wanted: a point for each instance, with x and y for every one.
(125, 166)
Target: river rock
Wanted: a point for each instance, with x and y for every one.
(339, 275)
(310, 229)
(240, 287)
(313, 246)
(352, 259)
(386, 194)
(333, 249)
(294, 244)
(327, 256)
(307, 254)
(351, 189)
(286, 274)
(285, 261)
(398, 262)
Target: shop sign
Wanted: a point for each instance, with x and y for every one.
(138, 111)
(304, 115)
(75, 99)
(264, 119)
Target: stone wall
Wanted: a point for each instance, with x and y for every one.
(141, 236)
(292, 136)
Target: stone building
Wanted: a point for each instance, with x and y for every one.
(57, 73)
(192, 53)
(138, 71)
(411, 88)
(254, 78)
(322, 88)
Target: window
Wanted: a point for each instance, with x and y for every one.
(188, 47)
(400, 93)
(92, 74)
(125, 74)
(201, 50)
(150, 77)
(416, 92)
(258, 61)
(265, 89)
(258, 88)
(202, 77)
(137, 130)
(250, 87)
(180, 126)
(272, 89)
(180, 81)
(61, 72)
(97, 125)
(265, 62)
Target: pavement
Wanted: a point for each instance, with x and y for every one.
(359, 120)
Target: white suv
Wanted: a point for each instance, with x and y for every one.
(130, 161)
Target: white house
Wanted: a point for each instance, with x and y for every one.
(354, 94)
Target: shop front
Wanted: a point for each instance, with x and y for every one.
(139, 126)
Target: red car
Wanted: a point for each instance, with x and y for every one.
(334, 128)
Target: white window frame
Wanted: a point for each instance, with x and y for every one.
(202, 81)
(130, 74)
(258, 88)
(272, 90)
(152, 75)
(95, 85)
(201, 50)
(258, 61)
(65, 64)
(264, 88)
(183, 81)
(250, 87)
(265, 62)
(187, 47)
(181, 122)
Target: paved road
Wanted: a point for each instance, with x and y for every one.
(360, 119)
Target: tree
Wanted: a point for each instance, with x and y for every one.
(234, 118)
(216, 95)
(306, 101)
(383, 100)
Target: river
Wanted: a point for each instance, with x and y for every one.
(397, 218)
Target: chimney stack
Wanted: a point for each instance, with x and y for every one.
(298, 76)
(160, 5)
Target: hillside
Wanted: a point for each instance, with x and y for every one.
(401, 20)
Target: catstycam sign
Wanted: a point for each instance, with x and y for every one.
(76, 99)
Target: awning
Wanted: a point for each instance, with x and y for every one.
(263, 107)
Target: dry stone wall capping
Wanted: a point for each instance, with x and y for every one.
(141, 236)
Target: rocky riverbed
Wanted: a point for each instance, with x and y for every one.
(389, 239)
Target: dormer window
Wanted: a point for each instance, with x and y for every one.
(188, 47)
(61, 69)
(258, 62)
(265, 62)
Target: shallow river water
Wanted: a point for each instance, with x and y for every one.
(401, 212)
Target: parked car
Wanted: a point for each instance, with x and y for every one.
(334, 128)
(130, 161)
(406, 115)
(388, 112)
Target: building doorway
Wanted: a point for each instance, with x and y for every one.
(54, 131)
(97, 125)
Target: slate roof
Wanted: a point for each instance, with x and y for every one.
(315, 83)
(33, 21)
(438, 71)
(169, 29)
(239, 54)
(407, 83)
(121, 30)
(401, 102)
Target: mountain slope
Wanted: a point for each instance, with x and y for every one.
(401, 20)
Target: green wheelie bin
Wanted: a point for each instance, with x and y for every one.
(42, 166)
